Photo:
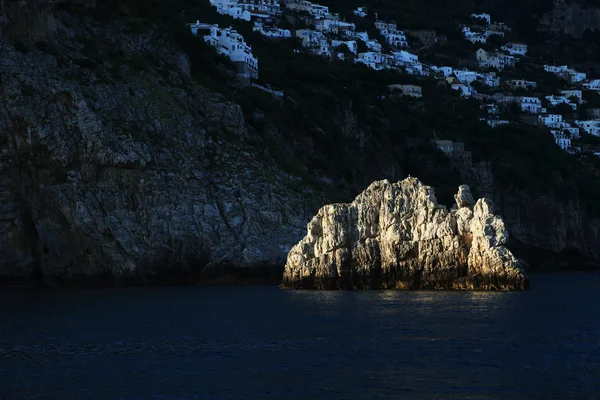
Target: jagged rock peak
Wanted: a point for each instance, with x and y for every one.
(396, 235)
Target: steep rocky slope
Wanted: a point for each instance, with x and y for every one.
(571, 17)
(117, 165)
(110, 171)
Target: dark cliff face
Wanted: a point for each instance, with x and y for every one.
(549, 232)
(571, 17)
(116, 164)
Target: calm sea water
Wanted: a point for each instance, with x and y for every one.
(265, 343)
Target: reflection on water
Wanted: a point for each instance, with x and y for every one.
(265, 343)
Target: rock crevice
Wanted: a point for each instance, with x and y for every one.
(396, 235)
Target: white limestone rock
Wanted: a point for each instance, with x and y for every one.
(396, 235)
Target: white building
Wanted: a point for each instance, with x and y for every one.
(592, 85)
(556, 100)
(316, 10)
(484, 16)
(386, 26)
(569, 94)
(562, 140)
(465, 76)
(396, 39)
(490, 32)
(550, 120)
(371, 59)
(446, 71)
(403, 57)
(272, 32)
(495, 60)
(573, 76)
(350, 44)
(392, 35)
(515, 49)
(230, 43)
(573, 131)
(591, 126)
(330, 25)
(361, 12)
(243, 9)
(465, 90)
(556, 69)
(474, 37)
(315, 42)
(374, 45)
(531, 105)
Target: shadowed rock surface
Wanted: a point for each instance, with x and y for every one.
(396, 235)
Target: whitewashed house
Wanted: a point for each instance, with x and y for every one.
(572, 130)
(396, 39)
(364, 36)
(245, 9)
(316, 10)
(562, 140)
(386, 26)
(485, 16)
(592, 85)
(554, 101)
(473, 37)
(531, 105)
(573, 76)
(361, 12)
(272, 32)
(495, 60)
(550, 120)
(335, 26)
(445, 71)
(315, 42)
(392, 35)
(515, 49)
(490, 32)
(371, 59)
(230, 43)
(404, 57)
(591, 126)
(573, 93)
(374, 45)
(465, 76)
(557, 70)
(465, 90)
(350, 44)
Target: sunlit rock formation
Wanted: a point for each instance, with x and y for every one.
(396, 235)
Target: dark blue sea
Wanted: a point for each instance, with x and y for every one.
(266, 343)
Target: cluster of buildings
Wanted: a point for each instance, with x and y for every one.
(328, 35)
(248, 9)
(228, 42)
(480, 32)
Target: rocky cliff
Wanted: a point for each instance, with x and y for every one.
(571, 17)
(117, 165)
(398, 236)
